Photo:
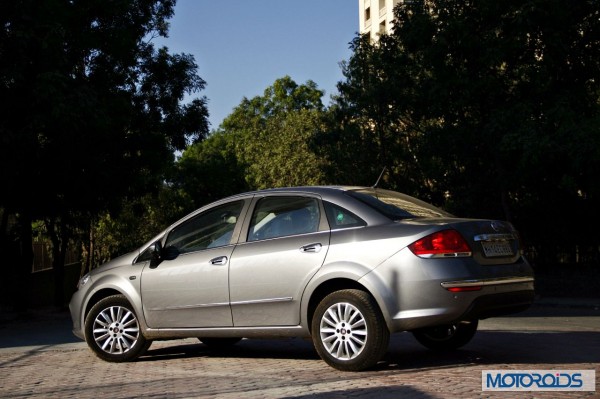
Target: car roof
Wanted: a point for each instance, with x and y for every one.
(307, 189)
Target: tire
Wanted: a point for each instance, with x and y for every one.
(112, 330)
(219, 343)
(447, 337)
(348, 330)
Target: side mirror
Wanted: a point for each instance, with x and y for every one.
(159, 254)
(156, 254)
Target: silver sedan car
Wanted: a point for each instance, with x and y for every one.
(346, 266)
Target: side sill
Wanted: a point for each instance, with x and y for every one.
(217, 332)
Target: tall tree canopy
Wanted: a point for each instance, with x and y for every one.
(91, 110)
(490, 108)
(264, 142)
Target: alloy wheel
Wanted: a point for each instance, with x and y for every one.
(343, 331)
(116, 330)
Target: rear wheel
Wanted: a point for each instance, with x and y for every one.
(447, 337)
(112, 330)
(349, 331)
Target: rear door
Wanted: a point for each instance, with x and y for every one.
(287, 239)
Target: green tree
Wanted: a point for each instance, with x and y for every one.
(139, 220)
(272, 134)
(279, 154)
(264, 142)
(209, 170)
(373, 122)
(492, 107)
(516, 86)
(92, 111)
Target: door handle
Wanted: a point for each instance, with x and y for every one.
(316, 247)
(219, 261)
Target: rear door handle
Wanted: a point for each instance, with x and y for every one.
(219, 261)
(316, 247)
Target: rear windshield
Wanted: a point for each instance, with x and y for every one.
(397, 206)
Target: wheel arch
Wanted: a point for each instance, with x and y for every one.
(339, 276)
(114, 285)
(97, 297)
(326, 288)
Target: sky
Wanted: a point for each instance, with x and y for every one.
(242, 46)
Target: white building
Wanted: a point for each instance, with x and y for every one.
(376, 16)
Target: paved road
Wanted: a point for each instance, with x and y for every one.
(39, 358)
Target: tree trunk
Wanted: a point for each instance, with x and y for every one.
(59, 240)
(24, 263)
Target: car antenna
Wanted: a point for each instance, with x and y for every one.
(379, 178)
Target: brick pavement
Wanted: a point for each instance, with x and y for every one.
(57, 365)
(287, 368)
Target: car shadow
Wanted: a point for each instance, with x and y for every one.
(279, 348)
(404, 352)
(499, 347)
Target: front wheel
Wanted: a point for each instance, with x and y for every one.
(349, 331)
(447, 337)
(112, 330)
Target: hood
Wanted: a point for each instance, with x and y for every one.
(123, 260)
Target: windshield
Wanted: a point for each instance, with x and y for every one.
(396, 205)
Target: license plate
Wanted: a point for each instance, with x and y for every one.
(497, 248)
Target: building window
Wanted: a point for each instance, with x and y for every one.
(367, 14)
(382, 29)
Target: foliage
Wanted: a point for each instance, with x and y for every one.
(373, 122)
(279, 154)
(263, 143)
(91, 111)
(487, 108)
(209, 170)
(90, 102)
(138, 222)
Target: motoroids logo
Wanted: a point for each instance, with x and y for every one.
(538, 380)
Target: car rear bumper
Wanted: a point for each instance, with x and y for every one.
(501, 304)
(480, 299)
(497, 304)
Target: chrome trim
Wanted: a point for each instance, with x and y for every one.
(494, 237)
(268, 300)
(488, 282)
(183, 307)
(207, 305)
(447, 255)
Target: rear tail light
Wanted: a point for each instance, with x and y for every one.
(442, 244)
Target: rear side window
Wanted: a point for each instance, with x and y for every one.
(340, 218)
(284, 216)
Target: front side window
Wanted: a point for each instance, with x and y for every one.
(210, 229)
(146, 255)
(284, 216)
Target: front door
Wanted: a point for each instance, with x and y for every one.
(192, 290)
